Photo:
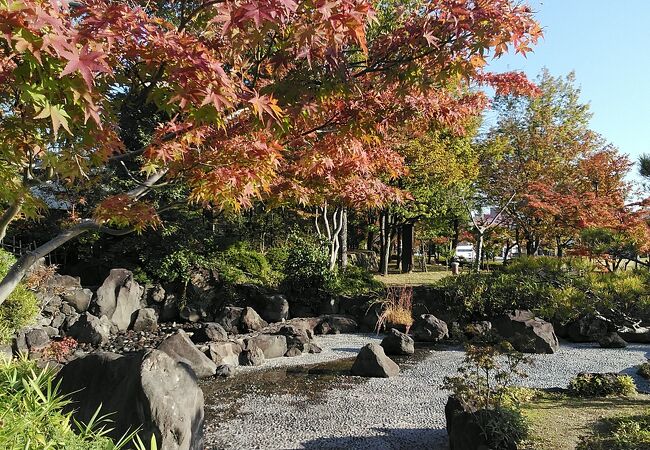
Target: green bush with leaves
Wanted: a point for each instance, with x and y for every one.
(22, 306)
(306, 269)
(620, 433)
(601, 385)
(555, 289)
(240, 264)
(31, 414)
(354, 281)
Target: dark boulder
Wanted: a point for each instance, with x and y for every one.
(209, 332)
(463, 429)
(144, 389)
(79, 299)
(180, 347)
(638, 335)
(428, 328)
(398, 343)
(225, 371)
(37, 338)
(612, 340)
(230, 319)
(275, 308)
(88, 329)
(373, 362)
(588, 328)
(336, 324)
(526, 332)
(292, 352)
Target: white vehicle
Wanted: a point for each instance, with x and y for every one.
(465, 251)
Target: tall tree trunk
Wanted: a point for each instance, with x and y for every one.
(398, 244)
(479, 251)
(370, 238)
(386, 237)
(407, 248)
(10, 214)
(456, 235)
(344, 238)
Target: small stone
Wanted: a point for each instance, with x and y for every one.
(225, 371)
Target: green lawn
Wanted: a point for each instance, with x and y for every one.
(558, 421)
(413, 278)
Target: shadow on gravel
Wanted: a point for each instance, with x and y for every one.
(392, 439)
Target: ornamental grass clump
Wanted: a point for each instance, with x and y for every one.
(396, 308)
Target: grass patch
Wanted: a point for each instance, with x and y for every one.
(412, 279)
(559, 422)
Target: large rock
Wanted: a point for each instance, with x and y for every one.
(230, 319)
(146, 319)
(588, 328)
(373, 362)
(640, 335)
(336, 324)
(118, 298)
(398, 343)
(526, 332)
(428, 328)
(275, 308)
(224, 352)
(209, 332)
(273, 346)
(251, 321)
(144, 389)
(297, 338)
(79, 299)
(463, 429)
(253, 356)
(89, 329)
(612, 340)
(37, 338)
(180, 347)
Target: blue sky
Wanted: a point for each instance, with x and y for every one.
(607, 44)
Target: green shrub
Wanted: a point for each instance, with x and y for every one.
(354, 281)
(306, 270)
(31, 414)
(601, 385)
(644, 370)
(502, 427)
(20, 308)
(620, 433)
(240, 264)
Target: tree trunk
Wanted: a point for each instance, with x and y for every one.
(10, 214)
(479, 251)
(398, 244)
(344, 238)
(456, 235)
(385, 237)
(407, 248)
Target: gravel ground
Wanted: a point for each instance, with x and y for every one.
(406, 412)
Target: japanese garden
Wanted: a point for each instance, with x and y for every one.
(324, 224)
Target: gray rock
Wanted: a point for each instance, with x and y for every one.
(639, 335)
(51, 331)
(170, 308)
(5, 352)
(526, 332)
(180, 347)
(146, 319)
(145, 389)
(88, 329)
(293, 351)
(398, 343)
(230, 319)
(156, 294)
(313, 348)
(209, 332)
(336, 324)
(252, 356)
(251, 321)
(273, 346)
(19, 344)
(118, 298)
(276, 308)
(373, 362)
(79, 299)
(428, 328)
(588, 328)
(192, 313)
(37, 338)
(224, 352)
(612, 340)
(57, 320)
(59, 284)
(225, 371)
(463, 428)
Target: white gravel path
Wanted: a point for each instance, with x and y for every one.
(406, 412)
